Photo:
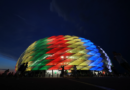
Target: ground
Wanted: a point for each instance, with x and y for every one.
(95, 83)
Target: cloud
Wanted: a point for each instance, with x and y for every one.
(65, 8)
(61, 7)
(85, 13)
(10, 57)
(20, 17)
(74, 11)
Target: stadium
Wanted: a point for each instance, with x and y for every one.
(47, 55)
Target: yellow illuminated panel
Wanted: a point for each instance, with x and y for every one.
(32, 45)
(30, 62)
(81, 47)
(67, 36)
(25, 56)
(79, 67)
(29, 69)
(86, 62)
(84, 57)
(74, 57)
(86, 68)
(74, 37)
(73, 51)
(72, 46)
(29, 58)
(71, 42)
(76, 62)
(77, 40)
(79, 43)
(83, 51)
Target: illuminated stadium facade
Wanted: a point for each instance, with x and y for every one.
(50, 53)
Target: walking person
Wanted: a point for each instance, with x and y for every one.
(123, 63)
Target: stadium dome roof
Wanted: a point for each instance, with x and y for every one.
(51, 53)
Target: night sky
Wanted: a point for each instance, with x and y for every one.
(105, 22)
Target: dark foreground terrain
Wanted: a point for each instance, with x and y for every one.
(95, 83)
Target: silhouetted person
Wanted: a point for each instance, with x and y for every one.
(123, 63)
(20, 70)
(23, 69)
(62, 71)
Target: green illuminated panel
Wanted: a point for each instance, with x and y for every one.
(40, 51)
(36, 68)
(44, 62)
(33, 64)
(41, 47)
(42, 57)
(45, 68)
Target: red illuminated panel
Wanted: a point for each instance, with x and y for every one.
(66, 55)
(61, 63)
(63, 45)
(58, 45)
(51, 63)
(52, 37)
(57, 66)
(66, 61)
(62, 51)
(60, 42)
(56, 39)
(60, 36)
(53, 41)
(53, 50)
(54, 56)
(57, 59)
(58, 53)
